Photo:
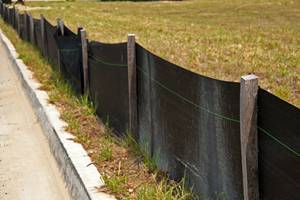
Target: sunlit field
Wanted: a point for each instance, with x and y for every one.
(221, 39)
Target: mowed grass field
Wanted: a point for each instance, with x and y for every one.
(223, 39)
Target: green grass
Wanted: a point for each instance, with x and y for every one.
(222, 39)
(129, 142)
(115, 183)
(166, 190)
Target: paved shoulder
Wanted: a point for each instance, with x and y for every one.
(27, 168)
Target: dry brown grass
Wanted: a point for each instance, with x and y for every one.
(222, 39)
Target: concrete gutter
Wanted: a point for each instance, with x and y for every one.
(80, 175)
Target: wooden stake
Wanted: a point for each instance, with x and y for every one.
(31, 28)
(132, 87)
(60, 26)
(13, 15)
(18, 23)
(84, 43)
(43, 35)
(25, 26)
(8, 15)
(15, 18)
(248, 126)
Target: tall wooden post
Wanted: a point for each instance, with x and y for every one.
(8, 15)
(25, 26)
(6, 12)
(15, 18)
(31, 28)
(60, 26)
(18, 23)
(248, 126)
(132, 85)
(84, 43)
(43, 35)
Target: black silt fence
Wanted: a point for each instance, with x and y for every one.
(278, 139)
(5, 14)
(70, 58)
(189, 124)
(38, 34)
(51, 46)
(14, 19)
(109, 82)
(22, 26)
(27, 28)
(10, 16)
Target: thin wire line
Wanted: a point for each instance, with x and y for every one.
(107, 63)
(189, 101)
(192, 103)
(280, 142)
(222, 116)
(68, 50)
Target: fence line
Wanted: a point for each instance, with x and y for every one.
(177, 133)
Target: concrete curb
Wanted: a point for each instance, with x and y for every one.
(80, 175)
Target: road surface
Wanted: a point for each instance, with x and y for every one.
(27, 169)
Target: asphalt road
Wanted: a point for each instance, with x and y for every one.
(28, 170)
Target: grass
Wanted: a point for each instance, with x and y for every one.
(124, 176)
(221, 39)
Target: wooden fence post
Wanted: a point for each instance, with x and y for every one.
(25, 26)
(60, 26)
(5, 12)
(85, 66)
(43, 35)
(248, 131)
(31, 28)
(132, 86)
(15, 18)
(18, 23)
(8, 15)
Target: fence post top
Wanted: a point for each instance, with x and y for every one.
(249, 77)
(131, 35)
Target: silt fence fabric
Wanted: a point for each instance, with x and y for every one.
(70, 58)
(27, 28)
(10, 16)
(22, 27)
(190, 125)
(109, 83)
(38, 34)
(51, 46)
(279, 148)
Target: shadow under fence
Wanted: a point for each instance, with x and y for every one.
(191, 125)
